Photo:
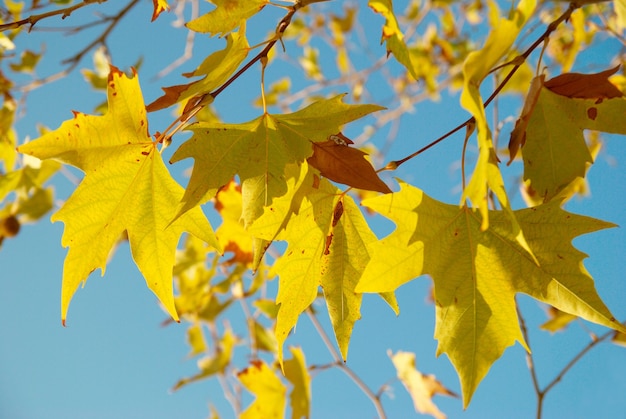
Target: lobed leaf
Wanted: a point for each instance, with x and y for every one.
(327, 247)
(477, 273)
(258, 152)
(555, 152)
(126, 188)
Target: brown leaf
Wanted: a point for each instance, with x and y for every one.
(518, 135)
(585, 86)
(341, 163)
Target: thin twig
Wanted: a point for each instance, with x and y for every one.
(33, 19)
(343, 367)
(551, 27)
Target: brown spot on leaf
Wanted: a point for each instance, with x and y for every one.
(592, 113)
(338, 212)
(329, 240)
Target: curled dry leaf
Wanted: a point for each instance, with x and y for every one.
(585, 86)
(337, 161)
(518, 135)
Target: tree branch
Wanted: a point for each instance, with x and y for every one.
(33, 19)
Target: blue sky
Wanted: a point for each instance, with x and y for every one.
(115, 360)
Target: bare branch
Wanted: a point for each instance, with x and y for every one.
(33, 19)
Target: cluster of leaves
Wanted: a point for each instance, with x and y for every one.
(274, 179)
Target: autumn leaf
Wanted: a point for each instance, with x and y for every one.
(231, 234)
(477, 273)
(227, 16)
(216, 69)
(126, 188)
(421, 387)
(298, 375)
(160, 6)
(518, 135)
(476, 67)
(215, 363)
(258, 151)
(555, 152)
(326, 247)
(585, 86)
(270, 392)
(558, 320)
(392, 35)
(337, 161)
(195, 338)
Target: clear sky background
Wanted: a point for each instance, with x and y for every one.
(115, 360)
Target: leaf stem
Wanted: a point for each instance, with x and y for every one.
(518, 63)
(201, 101)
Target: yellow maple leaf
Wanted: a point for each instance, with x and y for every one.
(126, 188)
(227, 16)
(327, 247)
(392, 34)
(270, 392)
(477, 273)
(298, 375)
(258, 152)
(555, 152)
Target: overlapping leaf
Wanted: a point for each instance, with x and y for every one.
(328, 238)
(555, 152)
(258, 151)
(476, 67)
(126, 188)
(477, 273)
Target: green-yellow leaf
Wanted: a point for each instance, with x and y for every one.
(477, 273)
(476, 67)
(227, 16)
(215, 363)
(558, 320)
(196, 340)
(126, 188)
(555, 152)
(298, 375)
(328, 239)
(270, 392)
(392, 34)
(216, 69)
(258, 152)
